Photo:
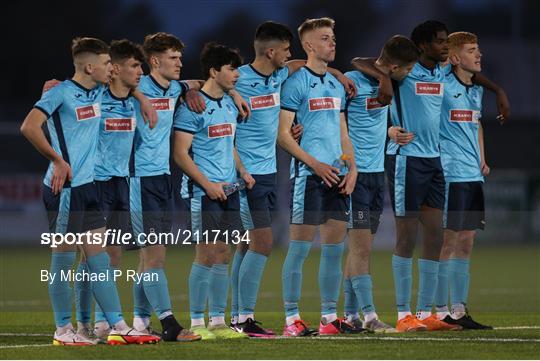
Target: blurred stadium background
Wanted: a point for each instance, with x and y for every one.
(37, 49)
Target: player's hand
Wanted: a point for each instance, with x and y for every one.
(215, 191)
(348, 84)
(148, 112)
(400, 136)
(61, 172)
(195, 101)
(348, 183)
(296, 132)
(248, 178)
(49, 84)
(329, 174)
(503, 106)
(241, 105)
(485, 169)
(386, 92)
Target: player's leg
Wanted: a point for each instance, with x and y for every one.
(306, 203)
(241, 249)
(256, 208)
(405, 189)
(350, 302)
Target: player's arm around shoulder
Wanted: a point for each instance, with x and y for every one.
(503, 104)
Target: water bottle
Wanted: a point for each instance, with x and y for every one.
(342, 163)
(233, 187)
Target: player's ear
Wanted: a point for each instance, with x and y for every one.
(454, 59)
(269, 52)
(393, 68)
(88, 68)
(116, 68)
(213, 72)
(154, 61)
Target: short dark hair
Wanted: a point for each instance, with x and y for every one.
(216, 55)
(427, 31)
(399, 50)
(270, 30)
(82, 45)
(122, 50)
(161, 42)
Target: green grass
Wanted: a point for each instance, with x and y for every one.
(505, 292)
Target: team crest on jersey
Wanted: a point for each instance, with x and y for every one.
(373, 103)
(428, 88)
(88, 112)
(120, 124)
(264, 101)
(162, 104)
(464, 115)
(221, 130)
(325, 103)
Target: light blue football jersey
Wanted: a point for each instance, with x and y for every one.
(460, 116)
(416, 106)
(212, 148)
(256, 136)
(116, 132)
(367, 120)
(317, 101)
(73, 119)
(152, 146)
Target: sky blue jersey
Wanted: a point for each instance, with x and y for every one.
(416, 106)
(152, 146)
(212, 148)
(367, 120)
(317, 101)
(116, 132)
(256, 136)
(460, 121)
(73, 114)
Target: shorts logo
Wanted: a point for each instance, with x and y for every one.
(264, 101)
(464, 115)
(162, 104)
(221, 130)
(120, 124)
(326, 103)
(373, 103)
(428, 88)
(88, 112)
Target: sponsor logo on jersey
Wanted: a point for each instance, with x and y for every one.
(428, 88)
(373, 103)
(120, 124)
(162, 104)
(88, 112)
(464, 115)
(221, 130)
(264, 101)
(326, 103)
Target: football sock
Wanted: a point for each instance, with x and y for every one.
(235, 271)
(292, 275)
(428, 272)
(249, 280)
(157, 292)
(402, 269)
(198, 290)
(83, 294)
(441, 297)
(99, 316)
(142, 309)
(60, 290)
(363, 286)
(330, 276)
(351, 304)
(218, 287)
(459, 280)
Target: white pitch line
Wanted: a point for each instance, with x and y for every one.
(19, 346)
(25, 334)
(518, 328)
(440, 339)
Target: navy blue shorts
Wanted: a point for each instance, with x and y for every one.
(413, 182)
(214, 220)
(314, 203)
(74, 210)
(151, 204)
(464, 206)
(366, 204)
(257, 204)
(114, 203)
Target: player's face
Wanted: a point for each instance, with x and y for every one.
(401, 71)
(130, 72)
(470, 58)
(323, 44)
(439, 47)
(281, 52)
(227, 77)
(169, 64)
(101, 69)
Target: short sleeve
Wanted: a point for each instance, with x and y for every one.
(292, 95)
(187, 121)
(50, 101)
(184, 87)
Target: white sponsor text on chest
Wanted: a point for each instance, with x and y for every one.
(325, 103)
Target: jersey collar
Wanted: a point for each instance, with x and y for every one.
(320, 76)
(157, 84)
(218, 100)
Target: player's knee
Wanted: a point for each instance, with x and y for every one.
(261, 246)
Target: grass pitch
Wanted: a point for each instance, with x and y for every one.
(505, 293)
